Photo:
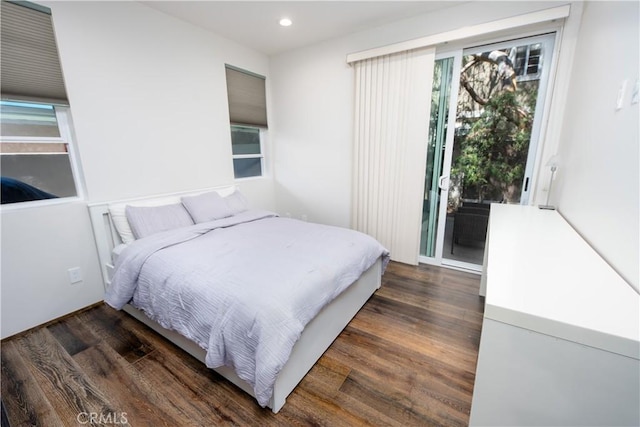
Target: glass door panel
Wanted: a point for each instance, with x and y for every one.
(499, 105)
(440, 98)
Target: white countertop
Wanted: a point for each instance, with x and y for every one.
(543, 276)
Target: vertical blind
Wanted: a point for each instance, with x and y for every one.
(29, 56)
(392, 106)
(247, 98)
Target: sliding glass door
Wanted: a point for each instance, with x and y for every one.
(486, 116)
(434, 178)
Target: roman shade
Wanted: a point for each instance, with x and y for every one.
(30, 63)
(247, 98)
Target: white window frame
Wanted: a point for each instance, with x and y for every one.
(65, 127)
(263, 136)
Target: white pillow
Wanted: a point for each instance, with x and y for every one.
(207, 207)
(119, 217)
(147, 220)
(237, 202)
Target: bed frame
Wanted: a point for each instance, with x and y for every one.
(315, 339)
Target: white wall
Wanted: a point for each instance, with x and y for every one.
(598, 176)
(313, 106)
(597, 184)
(148, 96)
(38, 246)
(149, 104)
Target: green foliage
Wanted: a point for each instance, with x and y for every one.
(493, 154)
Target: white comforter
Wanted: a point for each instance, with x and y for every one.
(244, 287)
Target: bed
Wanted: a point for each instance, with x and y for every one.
(142, 261)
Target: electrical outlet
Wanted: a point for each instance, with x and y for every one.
(75, 275)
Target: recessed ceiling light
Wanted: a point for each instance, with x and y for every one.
(286, 22)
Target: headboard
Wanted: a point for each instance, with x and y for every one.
(104, 230)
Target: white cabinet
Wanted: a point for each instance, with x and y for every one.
(560, 340)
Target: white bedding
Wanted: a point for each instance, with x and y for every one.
(244, 287)
(115, 253)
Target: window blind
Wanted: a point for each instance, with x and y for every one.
(29, 56)
(247, 98)
(391, 127)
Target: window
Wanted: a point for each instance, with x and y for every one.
(248, 119)
(527, 61)
(246, 144)
(35, 157)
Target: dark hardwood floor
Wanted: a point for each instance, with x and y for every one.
(407, 359)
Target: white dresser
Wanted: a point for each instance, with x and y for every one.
(560, 340)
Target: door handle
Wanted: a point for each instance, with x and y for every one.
(441, 182)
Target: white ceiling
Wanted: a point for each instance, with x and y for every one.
(255, 23)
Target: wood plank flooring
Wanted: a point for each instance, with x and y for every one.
(408, 358)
